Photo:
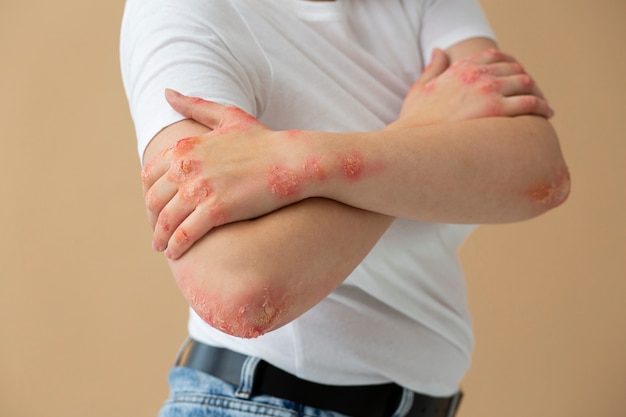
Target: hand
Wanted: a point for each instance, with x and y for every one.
(487, 84)
(238, 171)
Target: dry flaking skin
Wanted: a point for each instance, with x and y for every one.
(554, 193)
(250, 317)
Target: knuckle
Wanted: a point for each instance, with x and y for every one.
(495, 108)
(530, 102)
(517, 67)
(184, 146)
(164, 222)
(146, 176)
(196, 191)
(526, 81)
(182, 168)
(489, 85)
(152, 203)
(494, 53)
(182, 237)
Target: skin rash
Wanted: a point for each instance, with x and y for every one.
(251, 317)
(352, 166)
(552, 194)
(284, 182)
(247, 310)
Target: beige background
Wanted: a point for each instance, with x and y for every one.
(90, 319)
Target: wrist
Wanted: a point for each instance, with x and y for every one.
(301, 169)
(344, 164)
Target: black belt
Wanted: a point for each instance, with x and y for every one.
(356, 401)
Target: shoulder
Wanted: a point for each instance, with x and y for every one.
(179, 14)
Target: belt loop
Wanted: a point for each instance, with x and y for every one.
(183, 351)
(406, 402)
(454, 404)
(244, 390)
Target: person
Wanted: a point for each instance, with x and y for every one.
(309, 179)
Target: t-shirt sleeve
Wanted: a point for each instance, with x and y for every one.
(447, 22)
(172, 44)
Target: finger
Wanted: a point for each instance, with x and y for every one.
(438, 63)
(503, 69)
(191, 194)
(521, 84)
(490, 56)
(172, 215)
(153, 170)
(195, 226)
(158, 196)
(527, 105)
(206, 112)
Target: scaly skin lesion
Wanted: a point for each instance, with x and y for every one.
(554, 193)
(240, 276)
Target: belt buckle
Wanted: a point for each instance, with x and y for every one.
(454, 404)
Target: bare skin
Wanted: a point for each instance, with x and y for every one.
(486, 170)
(242, 170)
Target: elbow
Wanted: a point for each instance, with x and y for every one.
(551, 192)
(239, 304)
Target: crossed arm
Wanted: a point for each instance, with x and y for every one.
(321, 200)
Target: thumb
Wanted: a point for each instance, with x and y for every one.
(202, 111)
(439, 61)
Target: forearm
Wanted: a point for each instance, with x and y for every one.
(251, 277)
(464, 149)
(490, 170)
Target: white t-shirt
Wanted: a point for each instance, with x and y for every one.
(341, 65)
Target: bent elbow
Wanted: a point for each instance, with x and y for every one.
(552, 192)
(245, 307)
(249, 313)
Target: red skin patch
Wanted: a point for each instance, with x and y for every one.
(469, 74)
(163, 222)
(554, 193)
(183, 169)
(491, 86)
(238, 121)
(184, 146)
(251, 320)
(146, 178)
(181, 237)
(352, 166)
(283, 182)
(196, 191)
(240, 116)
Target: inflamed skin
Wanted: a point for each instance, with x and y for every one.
(461, 164)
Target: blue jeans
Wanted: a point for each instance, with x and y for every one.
(197, 394)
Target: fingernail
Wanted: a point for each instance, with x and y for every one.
(155, 246)
(172, 93)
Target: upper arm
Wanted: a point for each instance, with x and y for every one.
(177, 45)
